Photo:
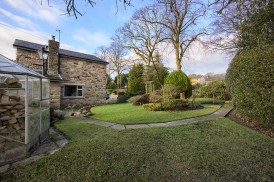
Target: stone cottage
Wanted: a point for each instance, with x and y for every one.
(75, 78)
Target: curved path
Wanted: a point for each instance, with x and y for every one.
(222, 112)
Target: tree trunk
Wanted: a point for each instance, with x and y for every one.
(178, 61)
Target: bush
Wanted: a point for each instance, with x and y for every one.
(152, 107)
(216, 89)
(175, 104)
(155, 96)
(170, 92)
(179, 80)
(123, 97)
(111, 85)
(144, 99)
(131, 99)
(250, 80)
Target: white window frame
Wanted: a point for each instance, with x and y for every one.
(77, 89)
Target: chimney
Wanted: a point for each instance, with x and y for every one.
(53, 56)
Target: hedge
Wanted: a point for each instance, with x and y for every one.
(250, 81)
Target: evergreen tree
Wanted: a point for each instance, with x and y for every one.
(136, 83)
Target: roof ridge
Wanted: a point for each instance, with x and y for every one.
(64, 52)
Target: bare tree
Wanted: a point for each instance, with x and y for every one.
(72, 10)
(181, 19)
(116, 57)
(142, 37)
(102, 52)
(241, 24)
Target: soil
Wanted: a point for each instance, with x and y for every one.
(237, 117)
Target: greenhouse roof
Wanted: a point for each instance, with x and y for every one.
(8, 66)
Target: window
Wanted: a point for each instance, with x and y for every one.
(73, 91)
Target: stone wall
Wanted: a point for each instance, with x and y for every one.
(55, 95)
(74, 71)
(91, 75)
(28, 58)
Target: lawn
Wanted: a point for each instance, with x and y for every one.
(217, 150)
(129, 114)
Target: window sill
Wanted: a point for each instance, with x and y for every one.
(74, 97)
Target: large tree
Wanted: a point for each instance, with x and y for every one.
(73, 10)
(141, 36)
(242, 24)
(181, 19)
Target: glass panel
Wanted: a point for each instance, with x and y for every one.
(80, 93)
(45, 89)
(70, 90)
(34, 94)
(45, 104)
(45, 120)
(34, 126)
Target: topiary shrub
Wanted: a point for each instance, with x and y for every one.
(152, 107)
(180, 80)
(144, 99)
(250, 80)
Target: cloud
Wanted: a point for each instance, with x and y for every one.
(33, 8)
(92, 39)
(8, 34)
(198, 60)
(23, 22)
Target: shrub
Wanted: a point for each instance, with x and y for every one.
(123, 97)
(179, 80)
(144, 99)
(155, 96)
(174, 104)
(152, 107)
(111, 85)
(250, 80)
(170, 92)
(131, 99)
(215, 89)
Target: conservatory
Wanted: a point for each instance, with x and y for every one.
(24, 109)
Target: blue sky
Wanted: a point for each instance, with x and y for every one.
(29, 20)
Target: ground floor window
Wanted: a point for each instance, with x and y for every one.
(73, 90)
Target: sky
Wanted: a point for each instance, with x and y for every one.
(36, 21)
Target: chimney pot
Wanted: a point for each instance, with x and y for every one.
(53, 37)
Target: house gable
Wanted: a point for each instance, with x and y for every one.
(83, 72)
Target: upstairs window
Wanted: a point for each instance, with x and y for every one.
(73, 91)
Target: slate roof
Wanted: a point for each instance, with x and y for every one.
(62, 52)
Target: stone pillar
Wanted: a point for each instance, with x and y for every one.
(53, 58)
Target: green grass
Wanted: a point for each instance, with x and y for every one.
(129, 114)
(217, 150)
